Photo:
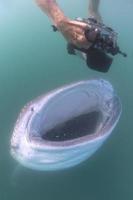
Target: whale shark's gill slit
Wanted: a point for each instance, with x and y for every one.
(76, 127)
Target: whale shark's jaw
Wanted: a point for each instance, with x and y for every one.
(66, 126)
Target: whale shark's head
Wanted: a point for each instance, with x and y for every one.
(66, 126)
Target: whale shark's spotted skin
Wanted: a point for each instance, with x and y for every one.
(66, 126)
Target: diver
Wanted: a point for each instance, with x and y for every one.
(94, 40)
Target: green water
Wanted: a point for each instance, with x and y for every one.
(33, 60)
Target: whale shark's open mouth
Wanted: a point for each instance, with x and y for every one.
(69, 115)
(76, 127)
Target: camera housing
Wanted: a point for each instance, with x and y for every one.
(104, 45)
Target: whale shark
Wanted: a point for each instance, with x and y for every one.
(66, 126)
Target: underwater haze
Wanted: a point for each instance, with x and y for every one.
(34, 60)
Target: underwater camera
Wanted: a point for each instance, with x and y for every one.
(104, 44)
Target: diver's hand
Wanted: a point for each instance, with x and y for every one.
(74, 32)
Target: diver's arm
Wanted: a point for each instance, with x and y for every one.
(72, 30)
(94, 9)
(51, 8)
